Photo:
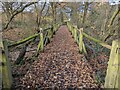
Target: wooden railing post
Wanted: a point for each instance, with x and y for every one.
(68, 23)
(75, 34)
(55, 28)
(41, 43)
(5, 67)
(81, 40)
(112, 79)
(72, 29)
(81, 43)
(69, 26)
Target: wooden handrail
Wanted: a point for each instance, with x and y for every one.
(23, 41)
(93, 39)
(112, 78)
(5, 67)
(97, 41)
(27, 39)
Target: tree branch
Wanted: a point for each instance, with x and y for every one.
(114, 16)
(17, 12)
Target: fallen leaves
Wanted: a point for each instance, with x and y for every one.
(60, 66)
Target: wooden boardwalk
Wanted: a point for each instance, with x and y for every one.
(60, 65)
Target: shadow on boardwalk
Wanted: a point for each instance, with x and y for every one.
(60, 66)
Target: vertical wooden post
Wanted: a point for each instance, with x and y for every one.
(75, 34)
(81, 43)
(84, 49)
(70, 27)
(41, 43)
(5, 67)
(77, 37)
(112, 79)
(73, 31)
(1, 46)
(50, 34)
(81, 40)
(55, 27)
(68, 24)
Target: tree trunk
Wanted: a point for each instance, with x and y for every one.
(22, 53)
(85, 13)
(111, 23)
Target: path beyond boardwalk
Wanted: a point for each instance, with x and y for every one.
(60, 66)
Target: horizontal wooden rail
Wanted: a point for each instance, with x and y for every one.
(48, 28)
(112, 79)
(97, 41)
(89, 37)
(48, 31)
(5, 70)
(27, 39)
(23, 41)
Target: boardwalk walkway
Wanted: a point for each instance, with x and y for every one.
(60, 66)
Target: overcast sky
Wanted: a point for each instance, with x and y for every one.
(111, 2)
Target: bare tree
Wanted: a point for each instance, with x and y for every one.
(39, 14)
(111, 32)
(54, 6)
(11, 12)
(85, 12)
